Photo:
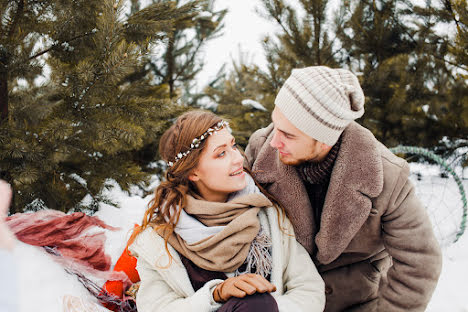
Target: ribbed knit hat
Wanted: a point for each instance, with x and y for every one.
(321, 101)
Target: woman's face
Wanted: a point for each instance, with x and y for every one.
(220, 168)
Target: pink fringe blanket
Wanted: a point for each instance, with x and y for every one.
(63, 236)
(62, 232)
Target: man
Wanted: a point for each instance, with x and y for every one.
(348, 197)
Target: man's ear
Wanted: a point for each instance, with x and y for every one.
(193, 176)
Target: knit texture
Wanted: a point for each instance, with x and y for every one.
(321, 101)
(319, 172)
(316, 177)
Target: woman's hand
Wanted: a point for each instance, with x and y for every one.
(242, 285)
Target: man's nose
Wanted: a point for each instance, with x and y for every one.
(275, 141)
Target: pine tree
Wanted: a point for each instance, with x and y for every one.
(177, 60)
(304, 36)
(403, 67)
(181, 58)
(71, 119)
(245, 98)
(454, 121)
(413, 76)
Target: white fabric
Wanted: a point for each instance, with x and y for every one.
(192, 231)
(165, 284)
(8, 286)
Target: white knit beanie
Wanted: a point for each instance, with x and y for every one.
(321, 101)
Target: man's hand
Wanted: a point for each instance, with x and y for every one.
(242, 285)
(7, 239)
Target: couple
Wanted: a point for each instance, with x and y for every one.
(325, 219)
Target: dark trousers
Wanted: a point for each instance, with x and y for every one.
(254, 303)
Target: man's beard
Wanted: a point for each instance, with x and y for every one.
(299, 161)
(291, 162)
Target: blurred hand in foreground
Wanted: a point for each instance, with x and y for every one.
(7, 239)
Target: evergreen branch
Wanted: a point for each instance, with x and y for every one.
(17, 17)
(275, 13)
(331, 56)
(448, 6)
(286, 31)
(156, 70)
(55, 45)
(450, 62)
(440, 58)
(192, 58)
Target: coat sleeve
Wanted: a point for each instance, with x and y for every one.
(304, 289)
(156, 295)
(409, 239)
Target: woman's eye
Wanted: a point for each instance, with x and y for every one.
(221, 154)
(234, 146)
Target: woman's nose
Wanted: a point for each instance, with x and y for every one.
(238, 158)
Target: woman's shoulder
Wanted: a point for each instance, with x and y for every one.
(151, 247)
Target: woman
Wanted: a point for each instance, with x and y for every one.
(211, 240)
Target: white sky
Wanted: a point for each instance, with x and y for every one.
(243, 31)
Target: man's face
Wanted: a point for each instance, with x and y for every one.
(294, 146)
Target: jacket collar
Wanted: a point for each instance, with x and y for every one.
(357, 177)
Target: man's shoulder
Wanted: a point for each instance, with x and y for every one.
(257, 142)
(388, 157)
(259, 137)
(383, 166)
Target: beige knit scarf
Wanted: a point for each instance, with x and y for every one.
(227, 250)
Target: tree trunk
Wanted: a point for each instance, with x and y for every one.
(170, 65)
(3, 95)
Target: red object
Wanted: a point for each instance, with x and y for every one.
(127, 264)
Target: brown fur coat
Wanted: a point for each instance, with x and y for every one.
(375, 248)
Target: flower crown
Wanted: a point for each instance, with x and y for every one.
(196, 142)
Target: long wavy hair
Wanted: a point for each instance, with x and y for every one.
(170, 196)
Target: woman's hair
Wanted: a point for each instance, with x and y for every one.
(170, 196)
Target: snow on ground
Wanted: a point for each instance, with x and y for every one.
(450, 293)
(43, 283)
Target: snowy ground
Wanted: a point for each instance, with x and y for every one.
(43, 283)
